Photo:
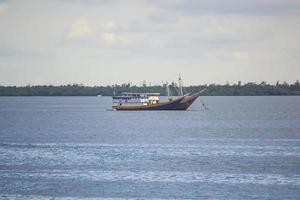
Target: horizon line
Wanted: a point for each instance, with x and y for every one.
(148, 84)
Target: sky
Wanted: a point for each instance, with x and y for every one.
(105, 42)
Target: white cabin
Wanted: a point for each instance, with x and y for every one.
(135, 99)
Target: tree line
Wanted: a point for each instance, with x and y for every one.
(238, 89)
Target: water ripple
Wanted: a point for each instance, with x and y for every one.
(154, 176)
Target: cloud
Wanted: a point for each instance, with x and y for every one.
(173, 2)
(244, 7)
(80, 28)
(108, 37)
(3, 7)
(110, 25)
(240, 56)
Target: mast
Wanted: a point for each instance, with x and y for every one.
(168, 90)
(180, 86)
(114, 91)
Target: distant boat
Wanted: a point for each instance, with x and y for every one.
(99, 95)
(151, 101)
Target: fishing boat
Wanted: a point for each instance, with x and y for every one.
(151, 101)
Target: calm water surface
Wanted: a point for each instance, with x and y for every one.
(76, 148)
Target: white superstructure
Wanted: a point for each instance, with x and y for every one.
(135, 99)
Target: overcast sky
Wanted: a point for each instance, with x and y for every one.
(100, 42)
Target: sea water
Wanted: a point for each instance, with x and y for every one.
(78, 148)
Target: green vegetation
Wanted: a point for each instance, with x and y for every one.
(248, 89)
